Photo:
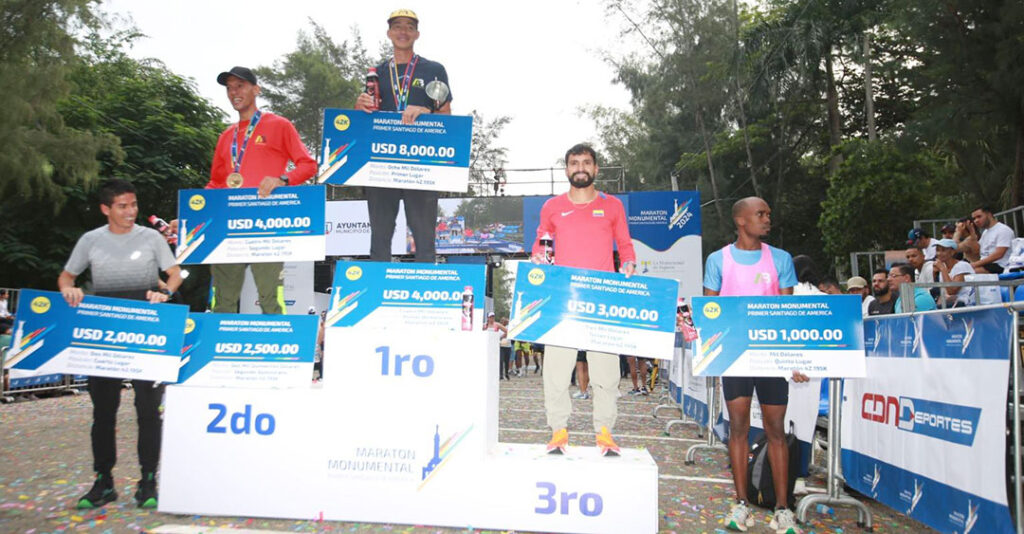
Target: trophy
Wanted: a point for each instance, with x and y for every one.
(437, 91)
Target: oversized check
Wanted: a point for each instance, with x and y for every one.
(594, 310)
(397, 295)
(820, 336)
(248, 351)
(115, 338)
(376, 149)
(236, 226)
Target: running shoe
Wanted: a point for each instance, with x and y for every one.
(784, 522)
(739, 517)
(581, 395)
(634, 392)
(559, 441)
(101, 493)
(145, 495)
(644, 390)
(606, 443)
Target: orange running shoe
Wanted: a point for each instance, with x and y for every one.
(559, 441)
(606, 443)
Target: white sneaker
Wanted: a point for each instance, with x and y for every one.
(739, 518)
(784, 522)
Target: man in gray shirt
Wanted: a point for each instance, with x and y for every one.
(124, 260)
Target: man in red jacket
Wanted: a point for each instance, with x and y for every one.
(254, 152)
(584, 224)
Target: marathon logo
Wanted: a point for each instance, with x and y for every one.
(948, 422)
(680, 214)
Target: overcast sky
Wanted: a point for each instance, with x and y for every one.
(535, 61)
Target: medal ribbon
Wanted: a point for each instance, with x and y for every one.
(236, 155)
(400, 88)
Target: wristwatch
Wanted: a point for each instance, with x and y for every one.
(284, 178)
(166, 291)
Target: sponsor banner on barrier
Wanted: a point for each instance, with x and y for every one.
(820, 336)
(377, 149)
(694, 391)
(418, 295)
(594, 310)
(925, 432)
(115, 338)
(248, 351)
(236, 226)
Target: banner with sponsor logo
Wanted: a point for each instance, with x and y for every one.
(347, 229)
(236, 226)
(594, 310)
(399, 295)
(925, 432)
(820, 336)
(248, 351)
(102, 336)
(377, 149)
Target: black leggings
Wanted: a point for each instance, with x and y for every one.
(106, 397)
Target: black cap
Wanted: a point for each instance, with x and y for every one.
(238, 72)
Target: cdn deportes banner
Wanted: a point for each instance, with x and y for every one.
(594, 310)
(383, 295)
(236, 226)
(115, 338)
(377, 149)
(925, 432)
(821, 336)
(248, 351)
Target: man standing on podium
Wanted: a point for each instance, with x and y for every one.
(254, 152)
(584, 224)
(749, 267)
(403, 88)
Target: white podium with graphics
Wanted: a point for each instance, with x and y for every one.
(404, 430)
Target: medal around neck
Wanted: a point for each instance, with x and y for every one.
(235, 180)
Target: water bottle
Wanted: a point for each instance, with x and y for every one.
(824, 509)
(467, 308)
(164, 228)
(373, 88)
(549, 248)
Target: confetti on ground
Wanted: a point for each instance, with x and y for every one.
(45, 466)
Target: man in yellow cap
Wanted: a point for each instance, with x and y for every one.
(403, 88)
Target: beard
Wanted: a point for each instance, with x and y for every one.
(581, 184)
(881, 292)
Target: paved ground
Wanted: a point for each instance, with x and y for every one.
(45, 465)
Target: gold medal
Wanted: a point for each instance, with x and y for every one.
(235, 180)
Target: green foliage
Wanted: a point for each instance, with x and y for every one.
(163, 132)
(879, 188)
(40, 155)
(485, 154)
(318, 74)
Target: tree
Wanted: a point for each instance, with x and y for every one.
(39, 153)
(485, 155)
(164, 133)
(318, 74)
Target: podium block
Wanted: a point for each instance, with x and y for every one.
(404, 430)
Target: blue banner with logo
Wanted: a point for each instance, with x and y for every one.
(820, 336)
(115, 338)
(594, 310)
(925, 432)
(401, 295)
(377, 149)
(237, 226)
(248, 351)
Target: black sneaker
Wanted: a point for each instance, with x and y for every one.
(145, 495)
(101, 493)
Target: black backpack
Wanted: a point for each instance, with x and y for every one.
(760, 489)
